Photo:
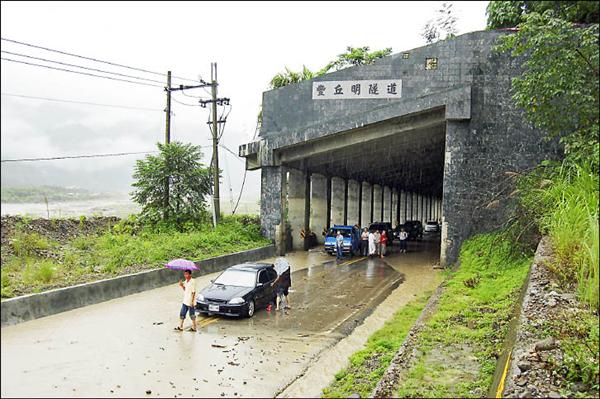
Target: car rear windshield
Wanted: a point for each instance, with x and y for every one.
(238, 278)
(432, 223)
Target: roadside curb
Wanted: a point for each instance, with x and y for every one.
(33, 306)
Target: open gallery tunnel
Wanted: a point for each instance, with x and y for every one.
(391, 171)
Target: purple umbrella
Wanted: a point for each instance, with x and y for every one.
(181, 264)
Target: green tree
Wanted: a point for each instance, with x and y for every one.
(509, 14)
(353, 56)
(189, 183)
(558, 89)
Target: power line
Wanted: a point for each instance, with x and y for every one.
(81, 102)
(196, 97)
(76, 156)
(81, 73)
(231, 152)
(92, 59)
(245, 173)
(182, 103)
(118, 154)
(82, 67)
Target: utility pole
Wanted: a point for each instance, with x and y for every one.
(216, 199)
(168, 110)
(167, 136)
(214, 129)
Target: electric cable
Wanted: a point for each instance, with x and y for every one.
(81, 102)
(78, 72)
(182, 103)
(82, 67)
(245, 173)
(92, 59)
(77, 156)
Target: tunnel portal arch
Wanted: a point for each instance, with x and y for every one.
(435, 148)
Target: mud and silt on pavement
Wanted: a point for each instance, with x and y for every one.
(127, 346)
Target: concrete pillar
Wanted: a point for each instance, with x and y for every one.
(328, 188)
(337, 201)
(414, 210)
(272, 203)
(387, 204)
(396, 207)
(353, 203)
(402, 206)
(408, 205)
(318, 205)
(307, 226)
(372, 217)
(377, 190)
(345, 201)
(295, 203)
(365, 213)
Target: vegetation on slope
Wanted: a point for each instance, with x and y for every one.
(37, 262)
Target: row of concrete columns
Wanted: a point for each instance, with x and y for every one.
(316, 202)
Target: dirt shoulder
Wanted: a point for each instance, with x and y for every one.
(545, 354)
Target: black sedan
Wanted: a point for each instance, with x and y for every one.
(239, 290)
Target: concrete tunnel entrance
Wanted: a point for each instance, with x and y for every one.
(429, 133)
(391, 171)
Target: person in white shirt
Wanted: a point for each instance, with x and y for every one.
(403, 236)
(372, 244)
(189, 301)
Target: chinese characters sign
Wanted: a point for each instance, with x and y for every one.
(358, 89)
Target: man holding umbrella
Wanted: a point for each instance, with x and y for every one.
(283, 281)
(189, 291)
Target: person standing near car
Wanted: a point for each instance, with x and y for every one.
(339, 245)
(364, 242)
(189, 301)
(383, 243)
(403, 236)
(372, 244)
(284, 281)
(377, 243)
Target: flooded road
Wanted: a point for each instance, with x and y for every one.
(127, 346)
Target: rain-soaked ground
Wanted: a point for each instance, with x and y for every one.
(127, 346)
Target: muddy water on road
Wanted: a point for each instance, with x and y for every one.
(416, 266)
(125, 347)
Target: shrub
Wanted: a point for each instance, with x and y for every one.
(26, 244)
(6, 284)
(82, 243)
(562, 200)
(40, 271)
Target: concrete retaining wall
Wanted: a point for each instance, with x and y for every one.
(33, 306)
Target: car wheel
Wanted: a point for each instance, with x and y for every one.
(251, 308)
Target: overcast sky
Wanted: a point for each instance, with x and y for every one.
(249, 41)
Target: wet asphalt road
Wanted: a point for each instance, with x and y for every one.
(127, 346)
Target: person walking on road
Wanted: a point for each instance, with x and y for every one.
(372, 244)
(364, 242)
(377, 243)
(189, 301)
(284, 281)
(403, 236)
(383, 243)
(339, 245)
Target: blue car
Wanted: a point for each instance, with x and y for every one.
(351, 239)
